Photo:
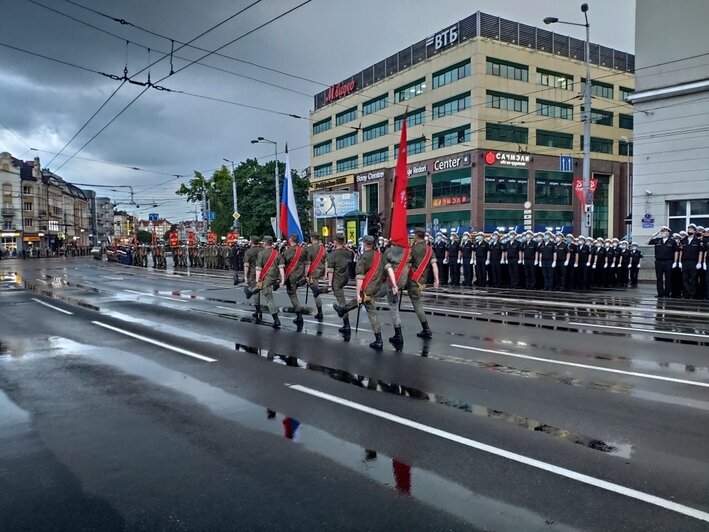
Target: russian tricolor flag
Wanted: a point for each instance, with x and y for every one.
(290, 224)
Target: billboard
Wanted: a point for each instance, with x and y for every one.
(334, 204)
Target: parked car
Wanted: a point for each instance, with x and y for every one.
(97, 252)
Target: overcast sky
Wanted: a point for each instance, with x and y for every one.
(46, 103)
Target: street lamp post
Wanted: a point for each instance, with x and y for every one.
(278, 196)
(588, 195)
(233, 190)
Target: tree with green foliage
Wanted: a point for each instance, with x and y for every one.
(256, 197)
(145, 237)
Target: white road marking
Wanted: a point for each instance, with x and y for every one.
(111, 278)
(155, 342)
(633, 329)
(332, 324)
(532, 462)
(52, 306)
(174, 298)
(584, 366)
(237, 310)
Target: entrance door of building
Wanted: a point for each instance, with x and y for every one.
(601, 207)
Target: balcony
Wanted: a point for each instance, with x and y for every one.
(8, 211)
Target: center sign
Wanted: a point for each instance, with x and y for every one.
(507, 159)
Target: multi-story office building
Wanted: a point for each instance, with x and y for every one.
(490, 105)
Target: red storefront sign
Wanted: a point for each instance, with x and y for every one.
(453, 200)
(340, 90)
(578, 187)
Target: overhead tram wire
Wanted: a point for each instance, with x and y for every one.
(145, 90)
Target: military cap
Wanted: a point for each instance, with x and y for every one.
(693, 226)
(368, 239)
(420, 231)
(315, 236)
(268, 239)
(255, 239)
(665, 228)
(340, 238)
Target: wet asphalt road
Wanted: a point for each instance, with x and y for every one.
(140, 400)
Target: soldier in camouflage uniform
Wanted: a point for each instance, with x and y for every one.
(295, 258)
(372, 267)
(315, 270)
(338, 275)
(225, 254)
(250, 272)
(400, 260)
(422, 258)
(268, 275)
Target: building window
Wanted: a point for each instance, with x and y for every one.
(323, 125)
(414, 118)
(625, 121)
(506, 69)
(371, 198)
(346, 116)
(553, 188)
(416, 192)
(450, 188)
(410, 91)
(503, 220)
(506, 133)
(346, 140)
(602, 90)
(451, 137)
(452, 221)
(683, 213)
(377, 130)
(28, 205)
(555, 110)
(555, 79)
(558, 221)
(412, 147)
(26, 190)
(602, 118)
(625, 148)
(375, 157)
(54, 226)
(345, 165)
(451, 106)
(600, 145)
(553, 139)
(322, 170)
(29, 222)
(451, 74)
(507, 102)
(372, 106)
(322, 148)
(624, 92)
(506, 185)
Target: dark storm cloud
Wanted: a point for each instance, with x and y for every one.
(325, 41)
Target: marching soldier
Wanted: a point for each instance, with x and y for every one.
(269, 273)
(422, 257)
(250, 258)
(315, 270)
(371, 269)
(294, 259)
(338, 274)
(399, 258)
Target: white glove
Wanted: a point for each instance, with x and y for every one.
(566, 262)
(536, 263)
(699, 265)
(593, 267)
(588, 264)
(638, 266)
(445, 261)
(576, 265)
(605, 265)
(674, 265)
(487, 262)
(522, 262)
(553, 264)
(613, 265)
(472, 261)
(704, 266)
(460, 261)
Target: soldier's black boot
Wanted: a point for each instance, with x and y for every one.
(345, 325)
(397, 339)
(425, 331)
(248, 292)
(319, 315)
(377, 344)
(257, 314)
(341, 312)
(276, 321)
(298, 318)
(316, 290)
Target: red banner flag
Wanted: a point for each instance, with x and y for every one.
(399, 235)
(578, 187)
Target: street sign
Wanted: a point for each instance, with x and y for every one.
(648, 221)
(587, 220)
(212, 215)
(236, 216)
(566, 163)
(153, 217)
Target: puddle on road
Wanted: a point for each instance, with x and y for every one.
(620, 449)
(427, 487)
(12, 417)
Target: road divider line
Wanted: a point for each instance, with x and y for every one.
(155, 342)
(532, 462)
(633, 329)
(52, 306)
(156, 295)
(584, 366)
